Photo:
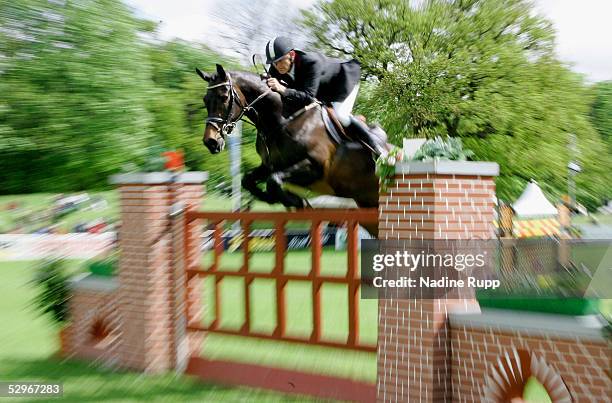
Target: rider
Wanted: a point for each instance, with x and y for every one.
(312, 76)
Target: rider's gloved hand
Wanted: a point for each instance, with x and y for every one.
(275, 85)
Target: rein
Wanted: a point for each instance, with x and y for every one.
(305, 109)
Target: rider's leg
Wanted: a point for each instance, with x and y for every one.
(344, 108)
(343, 111)
(366, 136)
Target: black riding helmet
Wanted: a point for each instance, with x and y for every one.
(277, 48)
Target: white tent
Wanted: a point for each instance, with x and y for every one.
(533, 203)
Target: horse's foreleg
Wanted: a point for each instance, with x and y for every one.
(303, 173)
(251, 180)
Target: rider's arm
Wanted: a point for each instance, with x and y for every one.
(306, 94)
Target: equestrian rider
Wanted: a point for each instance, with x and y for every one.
(312, 76)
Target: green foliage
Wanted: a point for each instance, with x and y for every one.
(53, 292)
(440, 149)
(436, 149)
(482, 70)
(155, 161)
(74, 88)
(601, 111)
(86, 89)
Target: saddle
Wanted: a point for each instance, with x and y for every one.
(334, 127)
(336, 131)
(339, 135)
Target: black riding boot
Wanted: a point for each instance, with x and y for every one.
(365, 135)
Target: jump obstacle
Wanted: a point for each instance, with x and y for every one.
(149, 317)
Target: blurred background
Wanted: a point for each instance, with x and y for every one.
(90, 88)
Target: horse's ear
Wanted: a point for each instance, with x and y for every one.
(205, 76)
(221, 72)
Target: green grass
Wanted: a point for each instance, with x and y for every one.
(603, 219)
(29, 343)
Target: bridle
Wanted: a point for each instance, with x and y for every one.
(228, 124)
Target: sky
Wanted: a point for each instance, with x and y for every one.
(583, 27)
(583, 30)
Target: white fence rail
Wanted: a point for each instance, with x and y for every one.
(39, 246)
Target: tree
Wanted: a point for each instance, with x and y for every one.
(74, 87)
(178, 111)
(601, 111)
(483, 70)
(440, 60)
(87, 88)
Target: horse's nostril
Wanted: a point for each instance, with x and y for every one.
(213, 145)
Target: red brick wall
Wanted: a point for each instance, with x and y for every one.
(435, 206)
(88, 306)
(144, 276)
(583, 364)
(413, 343)
(149, 306)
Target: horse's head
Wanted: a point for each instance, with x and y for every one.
(224, 108)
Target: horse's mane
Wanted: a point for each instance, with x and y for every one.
(252, 78)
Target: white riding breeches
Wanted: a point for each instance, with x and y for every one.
(344, 108)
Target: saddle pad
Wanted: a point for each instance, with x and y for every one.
(330, 126)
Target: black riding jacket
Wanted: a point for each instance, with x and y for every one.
(318, 77)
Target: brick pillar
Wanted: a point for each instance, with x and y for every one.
(428, 200)
(151, 273)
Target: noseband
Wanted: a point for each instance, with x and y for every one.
(228, 124)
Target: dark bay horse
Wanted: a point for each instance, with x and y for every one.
(295, 150)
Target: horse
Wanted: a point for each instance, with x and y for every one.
(294, 150)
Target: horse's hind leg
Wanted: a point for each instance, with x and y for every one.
(303, 173)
